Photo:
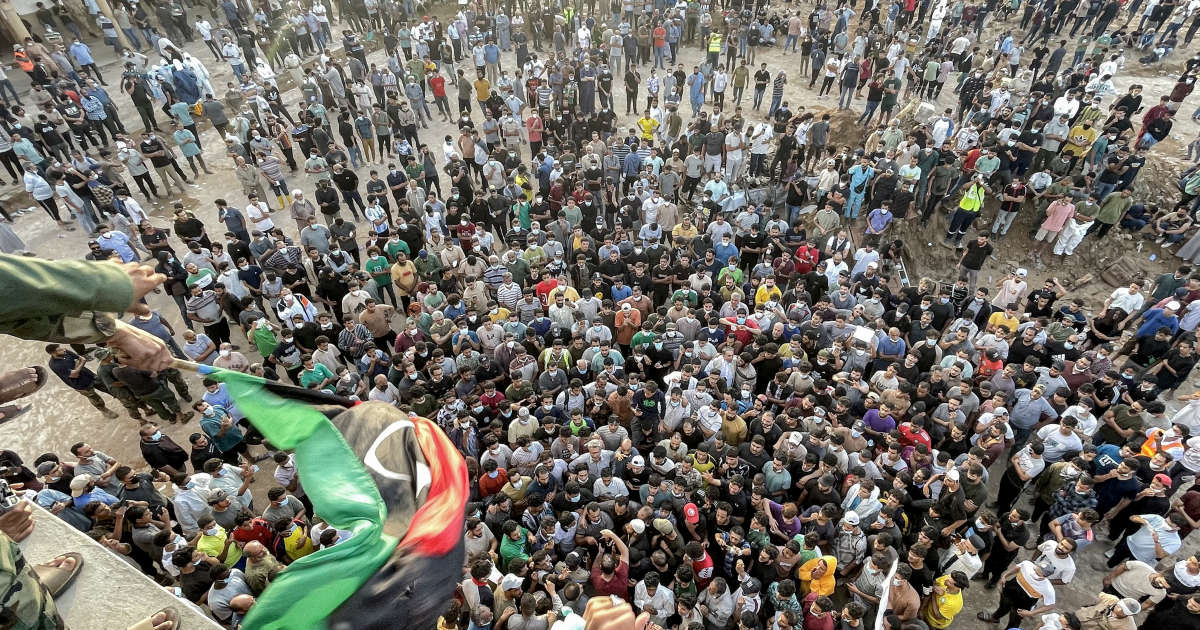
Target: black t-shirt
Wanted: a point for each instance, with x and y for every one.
(154, 145)
(976, 254)
(140, 382)
(195, 584)
(71, 110)
(1111, 173)
(651, 406)
(761, 79)
(1013, 190)
(49, 132)
(1134, 163)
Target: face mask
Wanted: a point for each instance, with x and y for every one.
(156, 437)
(211, 532)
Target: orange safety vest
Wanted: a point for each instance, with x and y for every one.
(1148, 446)
(23, 60)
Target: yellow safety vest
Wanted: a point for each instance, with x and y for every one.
(972, 201)
(714, 43)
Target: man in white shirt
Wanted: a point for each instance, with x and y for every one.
(1129, 299)
(648, 595)
(384, 391)
(1066, 105)
(1058, 554)
(1060, 439)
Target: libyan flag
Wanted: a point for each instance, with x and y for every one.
(392, 479)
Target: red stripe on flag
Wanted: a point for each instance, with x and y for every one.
(437, 525)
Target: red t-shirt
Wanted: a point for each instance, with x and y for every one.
(703, 569)
(969, 163)
(259, 530)
(618, 585)
(438, 83)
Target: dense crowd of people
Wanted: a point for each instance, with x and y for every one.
(677, 346)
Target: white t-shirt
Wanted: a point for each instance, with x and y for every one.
(1064, 568)
(1034, 586)
(260, 215)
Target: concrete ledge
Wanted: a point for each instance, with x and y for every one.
(109, 593)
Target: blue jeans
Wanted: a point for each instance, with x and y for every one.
(775, 101)
(281, 187)
(1146, 141)
(1103, 190)
(239, 70)
(356, 157)
(790, 41)
(659, 54)
(846, 97)
(132, 35)
(7, 84)
(868, 112)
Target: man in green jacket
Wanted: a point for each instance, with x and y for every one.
(1111, 210)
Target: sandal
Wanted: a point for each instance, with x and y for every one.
(21, 382)
(55, 578)
(9, 412)
(148, 623)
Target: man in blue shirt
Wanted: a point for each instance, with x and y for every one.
(83, 56)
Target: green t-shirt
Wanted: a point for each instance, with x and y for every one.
(377, 264)
(315, 375)
(523, 214)
(510, 548)
(396, 246)
(642, 338)
(891, 83)
(201, 274)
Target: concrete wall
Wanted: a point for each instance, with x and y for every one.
(109, 593)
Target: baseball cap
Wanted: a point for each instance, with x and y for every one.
(45, 468)
(638, 525)
(851, 517)
(79, 484)
(663, 526)
(1164, 480)
(637, 460)
(691, 514)
(509, 582)
(216, 496)
(1130, 606)
(1000, 411)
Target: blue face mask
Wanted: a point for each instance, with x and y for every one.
(156, 437)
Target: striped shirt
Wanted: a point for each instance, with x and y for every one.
(508, 295)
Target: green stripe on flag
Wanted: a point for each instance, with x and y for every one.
(342, 492)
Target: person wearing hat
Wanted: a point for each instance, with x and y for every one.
(84, 491)
(1109, 613)
(1027, 592)
(964, 555)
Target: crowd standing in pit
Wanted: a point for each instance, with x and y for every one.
(671, 343)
